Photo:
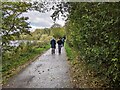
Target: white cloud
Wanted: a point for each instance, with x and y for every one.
(61, 22)
(35, 27)
(41, 20)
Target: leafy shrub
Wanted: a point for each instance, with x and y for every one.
(93, 29)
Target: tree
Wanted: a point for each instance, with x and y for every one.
(93, 30)
(55, 25)
(13, 24)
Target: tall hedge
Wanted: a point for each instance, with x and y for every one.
(94, 30)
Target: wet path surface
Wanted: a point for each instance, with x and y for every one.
(48, 71)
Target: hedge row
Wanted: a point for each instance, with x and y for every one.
(94, 30)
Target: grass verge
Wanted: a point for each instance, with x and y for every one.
(81, 75)
(21, 62)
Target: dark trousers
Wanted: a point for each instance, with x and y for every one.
(53, 50)
(59, 49)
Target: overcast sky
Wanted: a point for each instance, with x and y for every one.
(41, 20)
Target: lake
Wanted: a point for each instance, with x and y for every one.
(16, 43)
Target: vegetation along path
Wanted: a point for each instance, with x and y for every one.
(48, 71)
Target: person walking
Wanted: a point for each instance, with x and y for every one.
(63, 39)
(59, 45)
(53, 45)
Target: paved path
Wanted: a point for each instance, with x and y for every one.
(48, 71)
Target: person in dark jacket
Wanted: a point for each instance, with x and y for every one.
(63, 39)
(53, 45)
(59, 45)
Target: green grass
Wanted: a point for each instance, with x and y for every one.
(13, 63)
(70, 53)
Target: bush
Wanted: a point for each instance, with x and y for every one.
(93, 30)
